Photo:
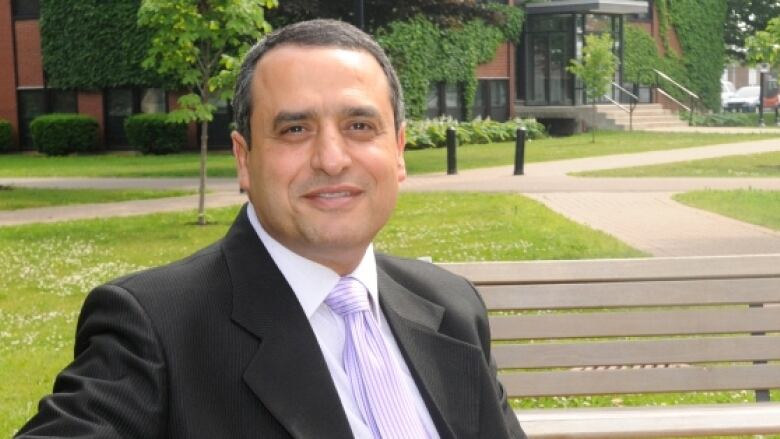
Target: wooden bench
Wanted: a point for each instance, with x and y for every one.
(603, 327)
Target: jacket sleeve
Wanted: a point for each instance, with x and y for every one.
(510, 419)
(115, 386)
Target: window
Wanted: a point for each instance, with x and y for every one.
(26, 9)
(35, 102)
(491, 99)
(153, 100)
(124, 101)
(445, 99)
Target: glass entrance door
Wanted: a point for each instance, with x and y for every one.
(548, 46)
(549, 82)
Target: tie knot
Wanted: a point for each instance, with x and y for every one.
(348, 296)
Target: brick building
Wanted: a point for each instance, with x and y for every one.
(520, 79)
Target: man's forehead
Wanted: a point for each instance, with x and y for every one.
(285, 51)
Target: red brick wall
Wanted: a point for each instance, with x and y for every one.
(28, 51)
(8, 110)
(91, 103)
(502, 66)
(498, 67)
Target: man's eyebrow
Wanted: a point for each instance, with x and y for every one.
(362, 111)
(292, 116)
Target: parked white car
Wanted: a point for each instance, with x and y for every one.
(744, 100)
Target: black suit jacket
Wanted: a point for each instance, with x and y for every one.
(217, 346)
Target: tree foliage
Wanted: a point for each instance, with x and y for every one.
(764, 46)
(200, 43)
(745, 18)
(597, 66)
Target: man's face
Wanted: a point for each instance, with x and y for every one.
(325, 161)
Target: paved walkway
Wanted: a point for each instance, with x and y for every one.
(638, 211)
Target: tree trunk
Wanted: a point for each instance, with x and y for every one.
(593, 123)
(204, 136)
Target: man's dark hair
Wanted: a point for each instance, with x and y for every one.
(313, 33)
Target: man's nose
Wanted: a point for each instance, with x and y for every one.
(330, 153)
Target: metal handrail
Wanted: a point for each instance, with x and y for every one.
(660, 90)
(630, 109)
(693, 96)
(668, 78)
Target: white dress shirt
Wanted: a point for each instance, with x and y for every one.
(311, 283)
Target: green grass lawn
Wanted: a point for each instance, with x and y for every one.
(753, 165)
(560, 148)
(13, 198)
(752, 206)
(48, 268)
(220, 163)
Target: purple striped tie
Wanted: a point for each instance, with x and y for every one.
(385, 403)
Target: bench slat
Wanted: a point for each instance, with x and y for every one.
(624, 294)
(698, 350)
(644, 323)
(635, 422)
(610, 270)
(641, 380)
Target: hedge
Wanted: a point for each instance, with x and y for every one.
(6, 137)
(432, 133)
(153, 133)
(64, 133)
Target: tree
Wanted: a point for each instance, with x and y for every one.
(596, 69)
(745, 17)
(764, 46)
(200, 43)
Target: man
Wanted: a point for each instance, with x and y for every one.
(244, 338)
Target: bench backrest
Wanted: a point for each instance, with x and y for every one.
(633, 326)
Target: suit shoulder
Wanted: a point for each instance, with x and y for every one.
(197, 271)
(429, 280)
(416, 268)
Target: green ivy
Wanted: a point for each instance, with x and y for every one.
(92, 44)
(639, 56)
(662, 9)
(424, 53)
(699, 28)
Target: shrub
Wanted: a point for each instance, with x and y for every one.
(432, 133)
(6, 138)
(61, 133)
(153, 134)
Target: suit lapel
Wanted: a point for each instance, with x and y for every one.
(288, 372)
(446, 370)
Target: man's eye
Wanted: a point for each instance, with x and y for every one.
(360, 126)
(297, 129)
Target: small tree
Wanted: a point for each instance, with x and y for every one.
(764, 46)
(596, 70)
(200, 43)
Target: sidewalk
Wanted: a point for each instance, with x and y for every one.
(638, 211)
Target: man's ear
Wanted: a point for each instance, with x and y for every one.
(241, 154)
(401, 139)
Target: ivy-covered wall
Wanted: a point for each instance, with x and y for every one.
(92, 44)
(699, 29)
(699, 26)
(424, 53)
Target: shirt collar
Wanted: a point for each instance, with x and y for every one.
(312, 282)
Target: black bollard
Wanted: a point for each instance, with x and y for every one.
(520, 151)
(452, 158)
